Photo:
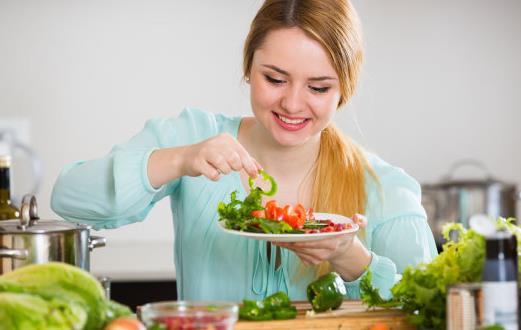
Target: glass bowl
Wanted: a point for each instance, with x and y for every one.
(189, 315)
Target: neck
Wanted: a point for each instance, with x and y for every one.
(279, 160)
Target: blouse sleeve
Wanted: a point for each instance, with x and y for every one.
(115, 190)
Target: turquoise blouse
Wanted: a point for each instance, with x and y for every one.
(114, 190)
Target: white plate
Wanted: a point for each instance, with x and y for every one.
(336, 218)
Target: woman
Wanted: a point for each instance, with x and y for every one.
(301, 60)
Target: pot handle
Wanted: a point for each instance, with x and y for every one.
(14, 254)
(467, 162)
(28, 212)
(96, 241)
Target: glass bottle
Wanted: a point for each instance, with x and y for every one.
(7, 209)
(500, 281)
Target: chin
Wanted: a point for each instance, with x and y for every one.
(290, 139)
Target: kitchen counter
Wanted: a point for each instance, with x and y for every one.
(134, 261)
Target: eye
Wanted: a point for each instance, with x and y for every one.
(273, 80)
(320, 90)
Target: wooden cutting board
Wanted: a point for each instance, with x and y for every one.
(351, 315)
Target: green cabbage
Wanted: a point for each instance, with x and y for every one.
(58, 296)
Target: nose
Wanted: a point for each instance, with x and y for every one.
(292, 100)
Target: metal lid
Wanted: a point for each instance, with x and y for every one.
(485, 181)
(29, 221)
(38, 227)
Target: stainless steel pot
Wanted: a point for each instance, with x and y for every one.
(456, 200)
(30, 240)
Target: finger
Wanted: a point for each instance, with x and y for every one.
(360, 219)
(209, 171)
(317, 253)
(257, 164)
(252, 168)
(327, 243)
(321, 254)
(249, 163)
(234, 161)
(280, 244)
(309, 260)
(220, 164)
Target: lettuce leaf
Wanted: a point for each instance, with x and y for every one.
(422, 291)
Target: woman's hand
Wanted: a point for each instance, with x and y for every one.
(218, 155)
(345, 253)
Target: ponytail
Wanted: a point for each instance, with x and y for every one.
(339, 182)
(339, 179)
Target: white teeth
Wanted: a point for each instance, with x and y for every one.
(291, 121)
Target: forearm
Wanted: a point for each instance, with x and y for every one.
(165, 165)
(352, 264)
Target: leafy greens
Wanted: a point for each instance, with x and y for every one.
(237, 214)
(422, 291)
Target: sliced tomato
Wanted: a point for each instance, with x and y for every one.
(327, 229)
(292, 220)
(271, 209)
(280, 214)
(258, 214)
(287, 211)
(300, 211)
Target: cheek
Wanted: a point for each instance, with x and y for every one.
(263, 96)
(325, 107)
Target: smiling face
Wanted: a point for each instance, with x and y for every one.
(294, 88)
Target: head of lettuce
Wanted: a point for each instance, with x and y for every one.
(54, 296)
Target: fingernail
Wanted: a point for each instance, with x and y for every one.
(253, 169)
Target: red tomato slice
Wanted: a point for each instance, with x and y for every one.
(300, 211)
(293, 221)
(258, 214)
(280, 214)
(271, 209)
(287, 211)
(327, 229)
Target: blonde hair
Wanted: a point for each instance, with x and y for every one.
(340, 168)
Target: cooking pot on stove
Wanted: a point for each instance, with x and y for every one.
(456, 200)
(31, 240)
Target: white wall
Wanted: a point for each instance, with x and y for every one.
(441, 81)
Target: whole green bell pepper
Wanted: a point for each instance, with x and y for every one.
(327, 292)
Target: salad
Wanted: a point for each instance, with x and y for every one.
(251, 216)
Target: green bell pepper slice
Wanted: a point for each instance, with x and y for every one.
(274, 307)
(276, 301)
(285, 313)
(252, 310)
(267, 177)
(327, 292)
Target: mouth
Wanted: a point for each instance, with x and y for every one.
(290, 124)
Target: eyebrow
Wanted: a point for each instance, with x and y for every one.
(279, 70)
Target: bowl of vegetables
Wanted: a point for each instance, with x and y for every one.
(189, 315)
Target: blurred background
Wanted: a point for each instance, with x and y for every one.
(441, 83)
